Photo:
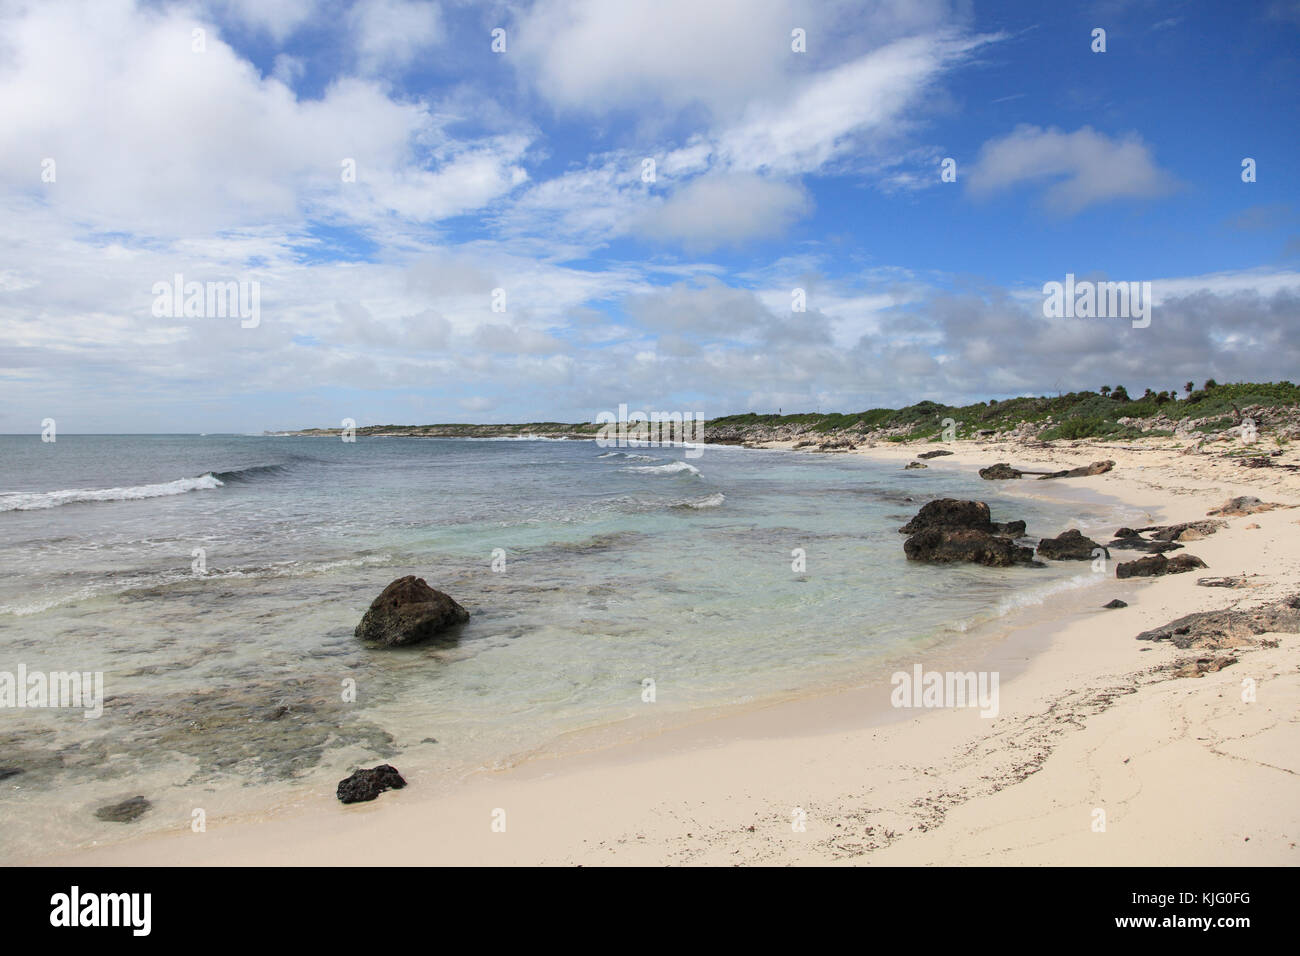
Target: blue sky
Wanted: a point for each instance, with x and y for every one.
(209, 139)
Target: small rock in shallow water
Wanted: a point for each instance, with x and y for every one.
(1115, 603)
(7, 772)
(128, 811)
(367, 784)
(409, 611)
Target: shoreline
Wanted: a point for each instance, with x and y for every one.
(651, 781)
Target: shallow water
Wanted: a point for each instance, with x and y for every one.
(226, 687)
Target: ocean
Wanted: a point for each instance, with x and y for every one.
(215, 582)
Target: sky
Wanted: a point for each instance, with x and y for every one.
(506, 212)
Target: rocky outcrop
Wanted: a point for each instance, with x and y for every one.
(915, 464)
(365, 785)
(1085, 471)
(1187, 531)
(128, 811)
(1155, 565)
(1000, 472)
(1228, 628)
(956, 513)
(1203, 665)
(1070, 545)
(949, 545)
(837, 444)
(1245, 505)
(938, 452)
(409, 611)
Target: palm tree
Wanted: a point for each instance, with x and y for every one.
(1188, 387)
(1105, 390)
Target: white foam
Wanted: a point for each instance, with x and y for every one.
(35, 500)
(672, 468)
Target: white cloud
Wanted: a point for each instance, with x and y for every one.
(391, 33)
(723, 209)
(1083, 167)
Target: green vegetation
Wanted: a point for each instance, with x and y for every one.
(1074, 415)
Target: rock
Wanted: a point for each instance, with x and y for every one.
(1155, 565)
(1252, 527)
(1126, 533)
(949, 513)
(837, 444)
(1245, 505)
(1240, 582)
(1069, 545)
(1084, 471)
(1114, 604)
(999, 472)
(408, 611)
(1203, 665)
(938, 452)
(1187, 531)
(915, 464)
(948, 545)
(128, 811)
(365, 785)
(1228, 628)
(1142, 544)
(804, 444)
(7, 772)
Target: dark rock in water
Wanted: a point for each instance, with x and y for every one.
(915, 464)
(365, 785)
(1084, 471)
(1155, 565)
(1229, 628)
(7, 772)
(949, 513)
(1114, 604)
(999, 472)
(409, 611)
(1126, 533)
(934, 454)
(955, 513)
(1069, 545)
(948, 545)
(128, 811)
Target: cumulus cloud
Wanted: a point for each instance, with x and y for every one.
(1082, 168)
(726, 209)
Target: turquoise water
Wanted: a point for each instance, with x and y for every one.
(228, 686)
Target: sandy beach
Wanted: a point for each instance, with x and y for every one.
(1102, 752)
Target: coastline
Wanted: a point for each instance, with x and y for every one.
(933, 786)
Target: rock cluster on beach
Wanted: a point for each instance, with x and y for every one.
(1228, 628)
(1154, 565)
(1070, 545)
(1003, 471)
(365, 785)
(409, 611)
(950, 530)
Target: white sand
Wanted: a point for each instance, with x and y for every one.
(1185, 771)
